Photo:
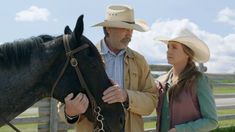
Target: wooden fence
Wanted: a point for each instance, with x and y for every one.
(47, 118)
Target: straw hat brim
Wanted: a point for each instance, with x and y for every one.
(138, 25)
(200, 49)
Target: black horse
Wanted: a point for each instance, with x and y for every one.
(29, 68)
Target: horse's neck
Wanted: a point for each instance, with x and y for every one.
(21, 88)
(19, 104)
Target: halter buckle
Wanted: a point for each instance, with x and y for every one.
(73, 62)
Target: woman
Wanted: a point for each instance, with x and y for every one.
(186, 102)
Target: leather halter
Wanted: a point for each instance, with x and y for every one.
(73, 61)
(70, 58)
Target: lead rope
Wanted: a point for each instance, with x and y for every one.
(74, 63)
(9, 124)
(99, 119)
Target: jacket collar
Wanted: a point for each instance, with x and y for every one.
(129, 53)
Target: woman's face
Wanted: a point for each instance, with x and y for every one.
(176, 54)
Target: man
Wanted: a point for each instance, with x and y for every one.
(133, 84)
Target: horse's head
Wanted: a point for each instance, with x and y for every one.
(30, 70)
(92, 70)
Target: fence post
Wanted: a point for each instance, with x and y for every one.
(53, 115)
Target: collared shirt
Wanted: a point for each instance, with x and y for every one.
(114, 64)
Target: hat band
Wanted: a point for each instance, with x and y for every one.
(129, 22)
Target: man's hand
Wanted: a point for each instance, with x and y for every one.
(76, 106)
(115, 94)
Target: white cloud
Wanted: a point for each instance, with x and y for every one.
(34, 13)
(226, 15)
(221, 48)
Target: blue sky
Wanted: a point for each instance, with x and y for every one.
(213, 22)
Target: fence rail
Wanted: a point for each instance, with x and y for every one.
(47, 118)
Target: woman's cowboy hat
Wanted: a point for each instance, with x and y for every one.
(187, 38)
(122, 16)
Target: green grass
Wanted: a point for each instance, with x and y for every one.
(149, 125)
(222, 81)
(225, 129)
(226, 112)
(226, 123)
(222, 124)
(23, 128)
(223, 90)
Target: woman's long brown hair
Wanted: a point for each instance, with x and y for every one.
(187, 74)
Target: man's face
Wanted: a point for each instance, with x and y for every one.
(118, 38)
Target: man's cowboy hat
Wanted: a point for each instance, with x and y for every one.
(187, 38)
(122, 16)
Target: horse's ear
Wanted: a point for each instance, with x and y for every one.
(67, 30)
(79, 28)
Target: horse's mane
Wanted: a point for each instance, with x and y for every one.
(18, 53)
